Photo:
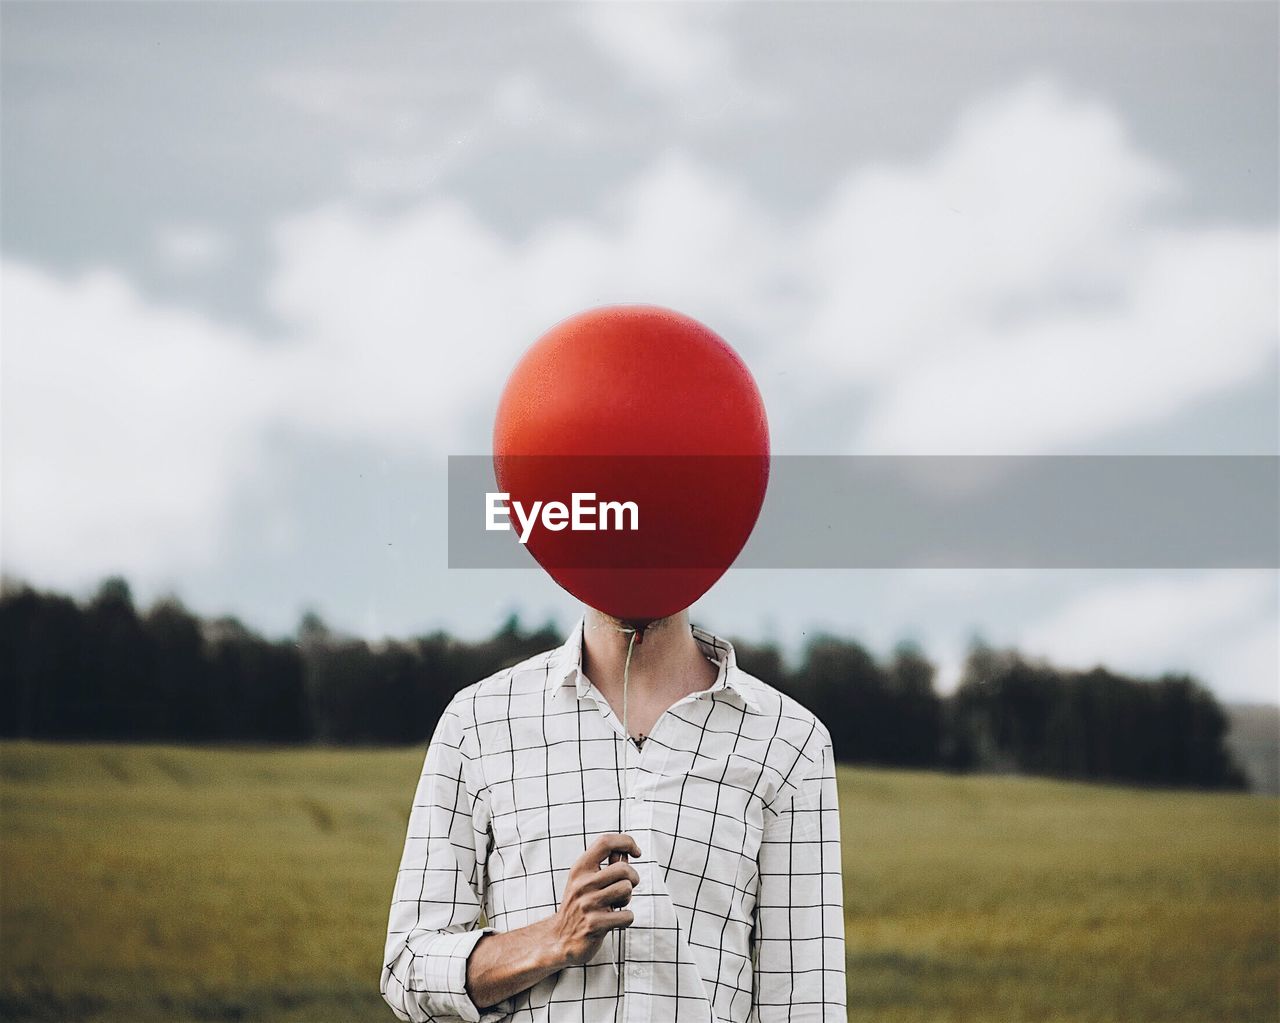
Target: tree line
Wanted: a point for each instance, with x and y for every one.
(104, 669)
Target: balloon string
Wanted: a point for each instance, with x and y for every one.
(625, 790)
(626, 678)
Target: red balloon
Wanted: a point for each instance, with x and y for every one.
(644, 405)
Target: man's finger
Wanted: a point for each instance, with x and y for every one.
(611, 919)
(602, 847)
(617, 894)
(613, 842)
(612, 874)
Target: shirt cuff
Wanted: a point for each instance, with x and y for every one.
(444, 977)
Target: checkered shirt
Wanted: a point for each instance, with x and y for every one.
(731, 799)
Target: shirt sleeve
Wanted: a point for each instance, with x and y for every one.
(436, 903)
(799, 927)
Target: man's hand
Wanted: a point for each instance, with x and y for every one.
(503, 965)
(595, 897)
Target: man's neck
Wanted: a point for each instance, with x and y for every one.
(665, 659)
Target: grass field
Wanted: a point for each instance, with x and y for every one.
(168, 883)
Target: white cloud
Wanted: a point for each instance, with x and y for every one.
(408, 325)
(127, 428)
(673, 47)
(402, 152)
(680, 51)
(396, 321)
(130, 427)
(414, 160)
(1020, 293)
(190, 248)
(1223, 626)
(384, 104)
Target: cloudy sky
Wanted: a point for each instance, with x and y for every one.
(266, 265)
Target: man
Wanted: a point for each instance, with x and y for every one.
(689, 871)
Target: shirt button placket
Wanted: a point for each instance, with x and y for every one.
(639, 938)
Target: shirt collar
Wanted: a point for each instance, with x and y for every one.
(566, 663)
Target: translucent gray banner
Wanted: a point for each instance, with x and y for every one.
(1205, 511)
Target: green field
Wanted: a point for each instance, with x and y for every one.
(169, 883)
